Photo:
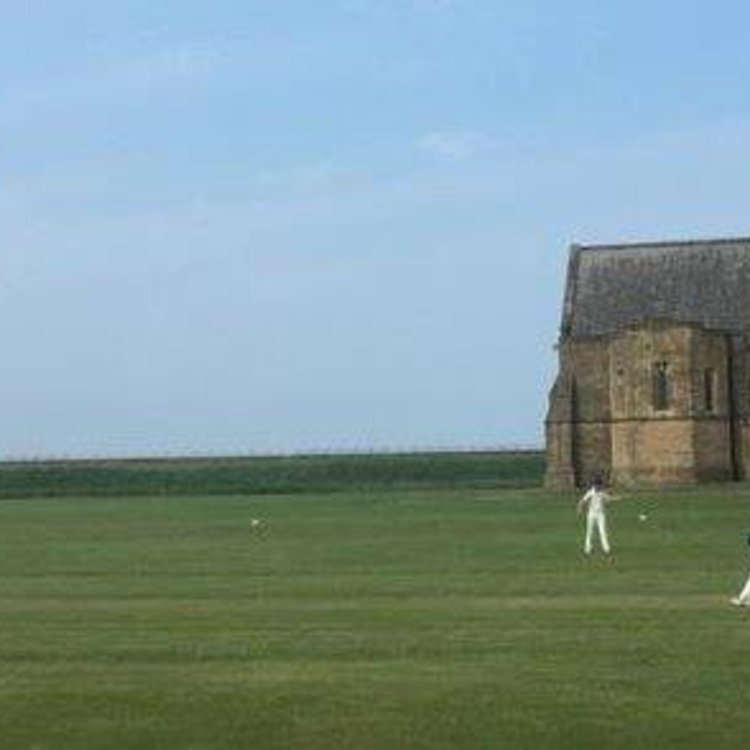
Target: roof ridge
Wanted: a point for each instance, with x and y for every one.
(710, 241)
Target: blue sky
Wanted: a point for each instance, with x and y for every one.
(280, 226)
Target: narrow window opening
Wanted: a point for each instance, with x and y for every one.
(709, 389)
(661, 389)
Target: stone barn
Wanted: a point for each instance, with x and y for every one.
(654, 374)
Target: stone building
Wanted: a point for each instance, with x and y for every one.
(654, 375)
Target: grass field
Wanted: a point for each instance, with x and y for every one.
(388, 619)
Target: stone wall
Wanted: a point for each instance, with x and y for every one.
(577, 425)
(659, 443)
(653, 452)
(650, 404)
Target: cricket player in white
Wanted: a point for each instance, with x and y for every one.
(593, 503)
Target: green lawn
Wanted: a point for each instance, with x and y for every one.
(404, 619)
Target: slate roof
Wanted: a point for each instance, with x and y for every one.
(706, 282)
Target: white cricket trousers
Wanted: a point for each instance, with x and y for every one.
(596, 521)
(744, 595)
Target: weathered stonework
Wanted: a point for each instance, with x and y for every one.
(653, 381)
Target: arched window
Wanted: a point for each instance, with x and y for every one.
(661, 390)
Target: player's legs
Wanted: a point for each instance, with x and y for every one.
(589, 533)
(744, 596)
(601, 523)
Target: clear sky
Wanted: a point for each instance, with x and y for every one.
(278, 225)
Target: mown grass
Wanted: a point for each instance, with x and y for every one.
(388, 619)
(270, 474)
